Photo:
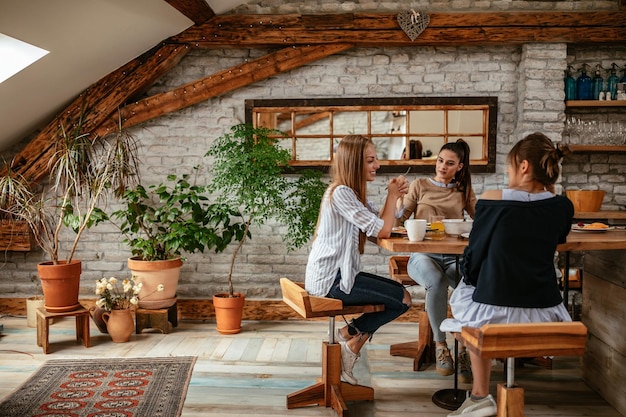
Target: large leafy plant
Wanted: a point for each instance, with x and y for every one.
(165, 220)
(252, 176)
(82, 170)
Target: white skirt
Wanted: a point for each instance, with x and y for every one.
(467, 312)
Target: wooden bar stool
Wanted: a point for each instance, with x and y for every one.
(423, 349)
(517, 340)
(43, 326)
(329, 391)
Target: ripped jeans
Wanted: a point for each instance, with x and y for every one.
(372, 289)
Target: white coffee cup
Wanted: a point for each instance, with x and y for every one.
(415, 229)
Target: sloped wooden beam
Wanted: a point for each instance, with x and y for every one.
(220, 83)
(196, 10)
(375, 30)
(98, 103)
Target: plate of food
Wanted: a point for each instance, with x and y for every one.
(399, 230)
(591, 227)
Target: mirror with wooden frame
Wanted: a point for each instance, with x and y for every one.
(312, 128)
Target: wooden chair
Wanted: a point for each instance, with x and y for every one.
(516, 340)
(423, 350)
(329, 391)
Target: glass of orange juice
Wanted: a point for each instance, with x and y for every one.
(436, 227)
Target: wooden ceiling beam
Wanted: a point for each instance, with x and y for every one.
(375, 30)
(96, 104)
(197, 10)
(220, 83)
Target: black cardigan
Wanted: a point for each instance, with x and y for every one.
(510, 256)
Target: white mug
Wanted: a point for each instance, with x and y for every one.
(415, 229)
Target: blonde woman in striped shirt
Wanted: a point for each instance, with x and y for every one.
(346, 219)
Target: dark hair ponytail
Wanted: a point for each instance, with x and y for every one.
(542, 155)
(463, 178)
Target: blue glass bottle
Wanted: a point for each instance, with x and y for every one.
(583, 85)
(611, 81)
(570, 84)
(597, 83)
(623, 79)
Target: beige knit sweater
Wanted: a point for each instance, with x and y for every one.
(425, 199)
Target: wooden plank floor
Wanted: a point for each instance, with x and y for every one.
(251, 373)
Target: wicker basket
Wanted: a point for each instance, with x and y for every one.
(586, 200)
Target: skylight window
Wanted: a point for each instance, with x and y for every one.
(16, 55)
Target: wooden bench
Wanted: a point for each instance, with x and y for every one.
(329, 391)
(423, 349)
(517, 340)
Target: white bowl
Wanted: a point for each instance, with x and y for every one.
(455, 227)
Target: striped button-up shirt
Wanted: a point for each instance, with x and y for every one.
(336, 246)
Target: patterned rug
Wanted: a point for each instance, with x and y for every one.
(137, 387)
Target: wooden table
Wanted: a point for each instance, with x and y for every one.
(576, 241)
(614, 239)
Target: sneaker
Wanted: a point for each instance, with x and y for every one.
(480, 408)
(444, 364)
(465, 367)
(348, 359)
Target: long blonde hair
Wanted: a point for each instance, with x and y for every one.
(349, 169)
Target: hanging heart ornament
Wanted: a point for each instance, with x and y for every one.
(413, 22)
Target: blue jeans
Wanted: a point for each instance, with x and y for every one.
(372, 289)
(435, 272)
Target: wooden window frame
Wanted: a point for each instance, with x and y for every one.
(258, 109)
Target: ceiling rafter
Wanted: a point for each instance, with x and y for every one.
(96, 104)
(220, 83)
(196, 10)
(372, 30)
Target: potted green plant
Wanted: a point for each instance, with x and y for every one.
(81, 171)
(14, 192)
(162, 222)
(252, 175)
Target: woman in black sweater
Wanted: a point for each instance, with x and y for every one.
(508, 267)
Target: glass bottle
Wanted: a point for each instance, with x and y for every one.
(583, 85)
(597, 83)
(570, 84)
(611, 82)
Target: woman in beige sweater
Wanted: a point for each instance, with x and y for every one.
(449, 193)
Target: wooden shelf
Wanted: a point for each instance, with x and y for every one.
(603, 214)
(597, 148)
(595, 103)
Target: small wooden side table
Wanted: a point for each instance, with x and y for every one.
(43, 326)
(162, 319)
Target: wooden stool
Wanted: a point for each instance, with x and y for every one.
(329, 391)
(516, 340)
(43, 326)
(160, 319)
(423, 349)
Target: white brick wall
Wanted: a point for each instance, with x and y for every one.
(526, 79)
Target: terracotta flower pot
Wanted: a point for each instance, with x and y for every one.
(153, 273)
(228, 312)
(60, 284)
(120, 324)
